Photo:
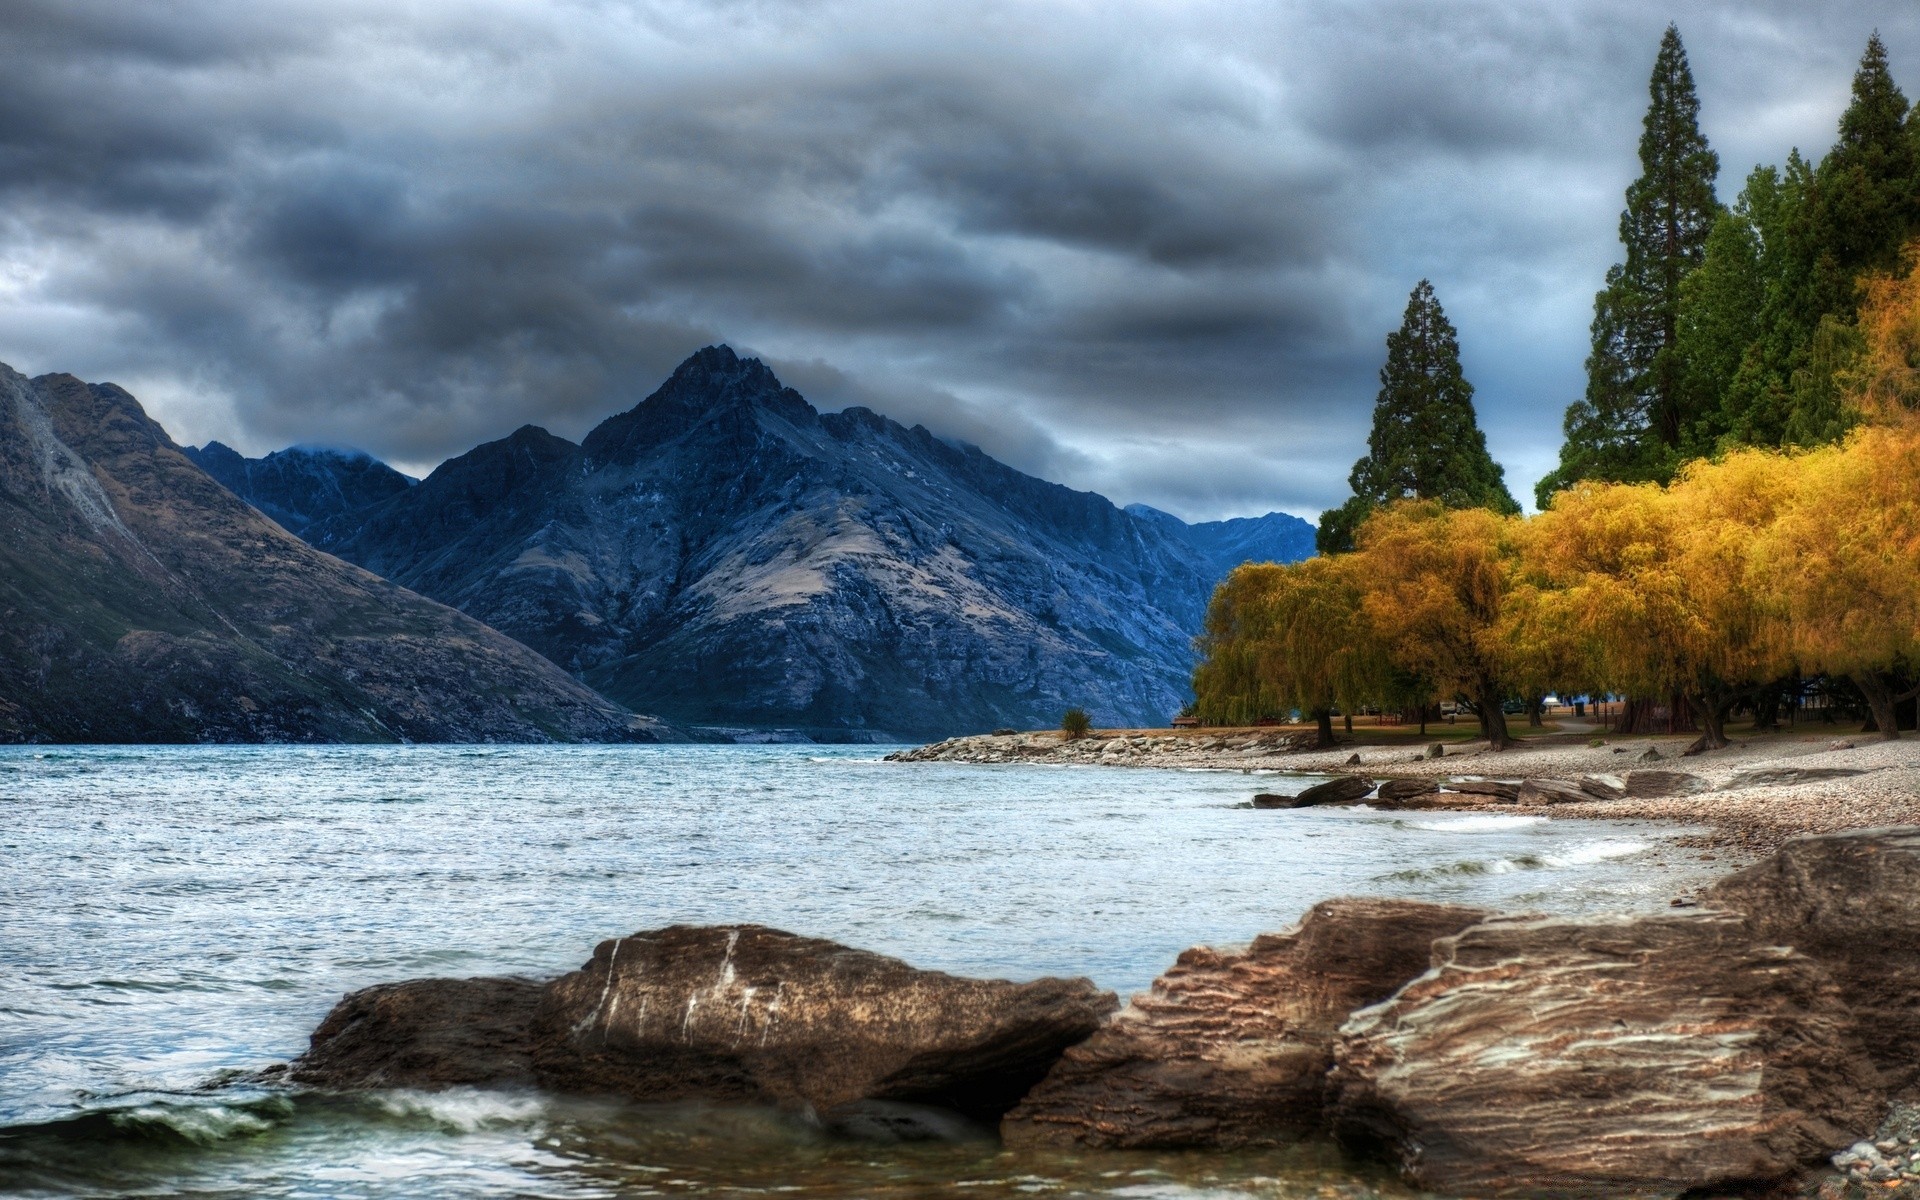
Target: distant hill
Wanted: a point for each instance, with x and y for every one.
(303, 484)
(724, 554)
(142, 601)
(1276, 537)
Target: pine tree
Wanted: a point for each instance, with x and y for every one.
(1425, 442)
(1634, 416)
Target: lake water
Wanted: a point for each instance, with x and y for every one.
(173, 918)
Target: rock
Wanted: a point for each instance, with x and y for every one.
(1650, 754)
(1437, 750)
(1603, 787)
(1232, 1049)
(1006, 732)
(747, 1014)
(1401, 790)
(1787, 776)
(1840, 744)
(1605, 1057)
(1353, 760)
(1275, 800)
(1651, 785)
(1852, 902)
(1505, 791)
(1334, 791)
(424, 1033)
(1551, 791)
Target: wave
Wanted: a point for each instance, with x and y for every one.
(1476, 823)
(1594, 852)
(460, 1110)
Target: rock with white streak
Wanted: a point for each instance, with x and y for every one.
(1606, 1057)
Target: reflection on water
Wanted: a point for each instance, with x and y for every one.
(172, 917)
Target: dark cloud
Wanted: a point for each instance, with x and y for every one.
(1149, 249)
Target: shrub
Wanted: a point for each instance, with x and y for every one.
(1075, 724)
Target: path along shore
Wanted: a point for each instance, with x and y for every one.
(1749, 802)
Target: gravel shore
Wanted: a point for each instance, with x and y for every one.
(1738, 815)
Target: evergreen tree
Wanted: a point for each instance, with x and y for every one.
(1425, 442)
(1634, 417)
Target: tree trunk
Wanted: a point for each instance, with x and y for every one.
(1493, 721)
(1766, 708)
(1534, 705)
(1711, 713)
(1880, 702)
(1323, 719)
(1348, 718)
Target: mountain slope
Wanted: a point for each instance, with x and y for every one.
(1276, 537)
(302, 484)
(724, 554)
(141, 601)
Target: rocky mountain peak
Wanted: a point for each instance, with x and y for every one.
(714, 385)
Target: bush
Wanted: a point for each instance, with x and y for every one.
(1076, 724)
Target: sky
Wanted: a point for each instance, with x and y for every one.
(1151, 249)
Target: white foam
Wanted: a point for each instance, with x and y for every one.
(1477, 823)
(464, 1110)
(1593, 852)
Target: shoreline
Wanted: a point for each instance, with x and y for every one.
(1739, 814)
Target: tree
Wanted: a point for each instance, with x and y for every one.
(1434, 584)
(1281, 638)
(1632, 421)
(1075, 724)
(1425, 443)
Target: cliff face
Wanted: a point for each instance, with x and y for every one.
(142, 601)
(724, 554)
(302, 484)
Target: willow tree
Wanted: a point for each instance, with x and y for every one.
(1434, 585)
(1426, 443)
(1281, 638)
(1633, 419)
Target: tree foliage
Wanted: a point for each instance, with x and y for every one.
(1426, 443)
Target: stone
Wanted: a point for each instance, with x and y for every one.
(424, 1033)
(1787, 776)
(1653, 785)
(1232, 1049)
(1851, 901)
(1353, 760)
(1840, 744)
(1603, 787)
(748, 1014)
(737, 1014)
(1503, 790)
(1275, 800)
(1605, 1057)
(1400, 790)
(1437, 750)
(1650, 754)
(1343, 790)
(1551, 791)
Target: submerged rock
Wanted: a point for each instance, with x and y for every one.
(1399, 791)
(1232, 1049)
(1605, 1057)
(1852, 901)
(1343, 790)
(722, 1014)
(750, 1014)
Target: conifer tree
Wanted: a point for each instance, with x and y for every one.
(1634, 418)
(1425, 442)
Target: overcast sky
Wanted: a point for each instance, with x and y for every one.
(1152, 249)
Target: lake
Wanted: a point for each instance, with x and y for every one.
(173, 918)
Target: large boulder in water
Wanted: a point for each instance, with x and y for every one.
(425, 1033)
(1606, 1057)
(1232, 1049)
(1852, 901)
(749, 1014)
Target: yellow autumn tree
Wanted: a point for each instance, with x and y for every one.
(1280, 638)
(1843, 562)
(1434, 585)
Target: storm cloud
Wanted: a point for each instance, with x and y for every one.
(1151, 249)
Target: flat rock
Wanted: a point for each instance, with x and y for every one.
(1232, 1049)
(1401, 790)
(1503, 790)
(1343, 790)
(1851, 901)
(1605, 1057)
(1787, 776)
(1604, 787)
(749, 1014)
(1551, 791)
(1275, 800)
(424, 1033)
(1652, 785)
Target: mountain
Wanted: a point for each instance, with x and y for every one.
(1276, 537)
(141, 601)
(724, 554)
(302, 484)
